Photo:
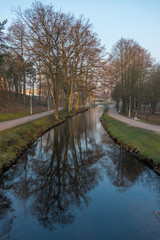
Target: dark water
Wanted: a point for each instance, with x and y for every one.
(76, 183)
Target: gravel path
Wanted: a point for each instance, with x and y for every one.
(19, 121)
(113, 113)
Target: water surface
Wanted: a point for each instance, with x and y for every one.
(75, 183)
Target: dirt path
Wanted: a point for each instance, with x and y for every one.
(113, 113)
(19, 121)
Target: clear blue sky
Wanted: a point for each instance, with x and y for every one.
(112, 19)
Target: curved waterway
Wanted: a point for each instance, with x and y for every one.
(75, 183)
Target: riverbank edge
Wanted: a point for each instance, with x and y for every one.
(130, 148)
(15, 141)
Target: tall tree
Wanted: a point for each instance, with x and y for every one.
(67, 49)
(16, 39)
(130, 67)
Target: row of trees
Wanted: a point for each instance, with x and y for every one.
(55, 49)
(133, 76)
(61, 56)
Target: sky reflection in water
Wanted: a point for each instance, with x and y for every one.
(75, 183)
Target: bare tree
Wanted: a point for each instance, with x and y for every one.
(130, 65)
(17, 42)
(67, 48)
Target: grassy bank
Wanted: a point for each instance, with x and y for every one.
(12, 106)
(146, 144)
(14, 141)
(151, 119)
(11, 116)
(19, 114)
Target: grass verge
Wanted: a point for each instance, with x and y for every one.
(20, 114)
(151, 120)
(11, 116)
(14, 141)
(144, 143)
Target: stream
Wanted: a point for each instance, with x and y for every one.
(76, 183)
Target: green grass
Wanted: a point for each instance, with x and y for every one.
(106, 107)
(151, 120)
(146, 143)
(15, 140)
(11, 116)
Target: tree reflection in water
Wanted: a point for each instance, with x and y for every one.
(55, 176)
(123, 169)
(7, 213)
(58, 172)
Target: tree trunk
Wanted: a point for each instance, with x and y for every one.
(40, 88)
(70, 103)
(55, 83)
(85, 98)
(24, 87)
(77, 100)
(55, 104)
(33, 91)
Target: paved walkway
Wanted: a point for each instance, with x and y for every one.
(19, 121)
(113, 113)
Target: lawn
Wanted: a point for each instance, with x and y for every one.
(11, 116)
(146, 143)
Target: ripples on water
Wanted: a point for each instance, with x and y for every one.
(76, 183)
